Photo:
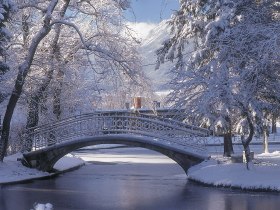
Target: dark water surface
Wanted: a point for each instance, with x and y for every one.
(131, 186)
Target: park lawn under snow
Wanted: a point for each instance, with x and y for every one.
(221, 172)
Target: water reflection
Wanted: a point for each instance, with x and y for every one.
(226, 199)
(131, 186)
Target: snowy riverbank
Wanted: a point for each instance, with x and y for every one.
(218, 171)
(221, 172)
(12, 170)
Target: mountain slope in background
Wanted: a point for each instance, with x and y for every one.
(153, 41)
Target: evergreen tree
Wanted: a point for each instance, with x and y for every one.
(231, 71)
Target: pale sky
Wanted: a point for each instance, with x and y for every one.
(146, 14)
(151, 11)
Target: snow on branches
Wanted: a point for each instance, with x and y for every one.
(227, 60)
(62, 47)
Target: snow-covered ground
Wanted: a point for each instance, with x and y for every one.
(220, 171)
(12, 170)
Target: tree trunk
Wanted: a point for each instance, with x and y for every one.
(56, 54)
(228, 148)
(274, 127)
(246, 142)
(265, 139)
(20, 80)
(32, 120)
(247, 151)
(57, 95)
(6, 123)
(33, 109)
(25, 29)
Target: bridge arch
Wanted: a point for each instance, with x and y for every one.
(46, 144)
(44, 159)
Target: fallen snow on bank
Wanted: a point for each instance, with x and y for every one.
(221, 172)
(12, 170)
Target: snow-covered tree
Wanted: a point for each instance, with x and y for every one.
(195, 83)
(6, 7)
(253, 58)
(231, 71)
(61, 36)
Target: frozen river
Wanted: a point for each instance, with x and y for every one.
(129, 179)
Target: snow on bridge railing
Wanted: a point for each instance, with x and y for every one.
(159, 129)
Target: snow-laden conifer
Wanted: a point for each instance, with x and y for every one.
(227, 62)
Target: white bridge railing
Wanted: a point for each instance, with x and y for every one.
(163, 130)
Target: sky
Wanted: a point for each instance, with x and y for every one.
(147, 14)
(151, 11)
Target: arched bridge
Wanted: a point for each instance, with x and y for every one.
(46, 144)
